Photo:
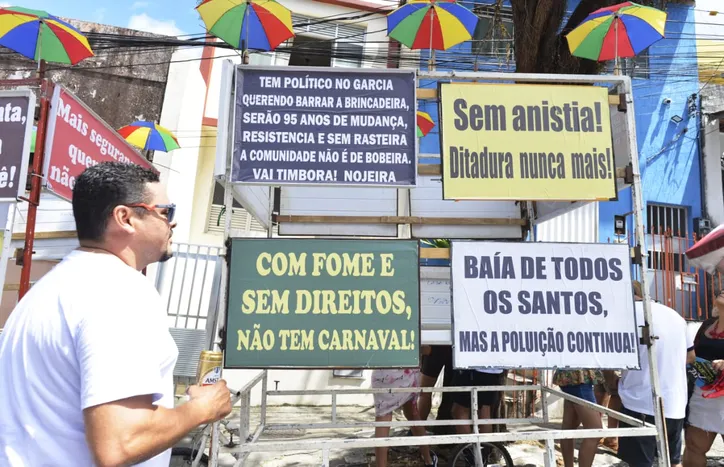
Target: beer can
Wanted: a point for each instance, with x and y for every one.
(209, 370)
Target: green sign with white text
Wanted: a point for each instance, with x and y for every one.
(309, 303)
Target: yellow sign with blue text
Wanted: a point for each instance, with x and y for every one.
(526, 142)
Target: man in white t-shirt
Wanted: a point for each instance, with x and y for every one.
(674, 348)
(86, 359)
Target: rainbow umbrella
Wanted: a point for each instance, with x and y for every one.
(149, 136)
(247, 24)
(424, 124)
(618, 31)
(431, 24)
(40, 36)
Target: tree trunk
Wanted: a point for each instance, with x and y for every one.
(539, 48)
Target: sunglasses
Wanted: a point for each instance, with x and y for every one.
(170, 209)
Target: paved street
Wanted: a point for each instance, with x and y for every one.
(528, 454)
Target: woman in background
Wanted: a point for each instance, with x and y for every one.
(706, 414)
(579, 383)
(387, 403)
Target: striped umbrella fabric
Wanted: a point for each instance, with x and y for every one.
(619, 31)
(247, 24)
(431, 24)
(424, 124)
(40, 36)
(149, 136)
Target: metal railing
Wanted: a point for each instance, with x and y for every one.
(671, 280)
(189, 284)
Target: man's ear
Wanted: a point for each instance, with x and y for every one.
(123, 218)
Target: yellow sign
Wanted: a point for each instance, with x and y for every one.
(526, 142)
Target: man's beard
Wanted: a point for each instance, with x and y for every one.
(168, 254)
(165, 256)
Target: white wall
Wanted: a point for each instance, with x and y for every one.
(577, 225)
(53, 215)
(711, 171)
(182, 114)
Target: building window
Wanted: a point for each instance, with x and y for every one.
(667, 220)
(348, 55)
(218, 196)
(240, 218)
(668, 228)
(310, 51)
(497, 42)
(322, 42)
(262, 58)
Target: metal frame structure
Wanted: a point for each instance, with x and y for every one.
(250, 440)
(624, 88)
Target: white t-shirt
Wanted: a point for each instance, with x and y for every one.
(91, 331)
(671, 348)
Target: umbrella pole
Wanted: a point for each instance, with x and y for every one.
(431, 62)
(38, 49)
(35, 183)
(616, 67)
(245, 41)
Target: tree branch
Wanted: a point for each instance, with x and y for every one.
(539, 47)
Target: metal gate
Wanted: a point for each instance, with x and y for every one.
(189, 284)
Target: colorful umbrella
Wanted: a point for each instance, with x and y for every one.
(40, 36)
(619, 31)
(431, 24)
(149, 136)
(424, 124)
(247, 24)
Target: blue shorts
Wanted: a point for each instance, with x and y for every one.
(582, 391)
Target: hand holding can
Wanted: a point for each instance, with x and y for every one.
(211, 394)
(215, 400)
(209, 369)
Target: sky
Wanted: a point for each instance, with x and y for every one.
(171, 17)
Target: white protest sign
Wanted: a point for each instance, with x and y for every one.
(543, 305)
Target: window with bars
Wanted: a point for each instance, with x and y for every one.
(668, 232)
(497, 42)
(667, 220)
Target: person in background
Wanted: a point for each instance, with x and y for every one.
(674, 349)
(706, 415)
(487, 400)
(438, 358)
(607, 396)
(579, 383)
(86, 358)
(387, 403)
